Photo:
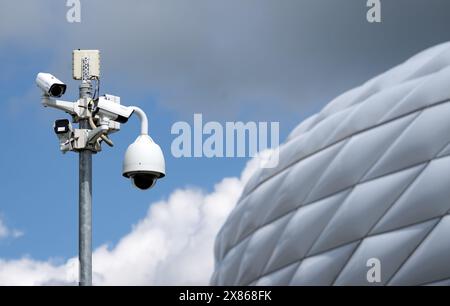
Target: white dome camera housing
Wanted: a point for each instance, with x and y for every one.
(144, 163)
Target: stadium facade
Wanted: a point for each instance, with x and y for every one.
(366, 178)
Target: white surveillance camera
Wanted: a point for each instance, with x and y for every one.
(144, 163)
(109, 106)
(50, 85)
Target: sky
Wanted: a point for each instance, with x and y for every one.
(230, 60)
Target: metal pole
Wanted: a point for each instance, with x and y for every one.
(85, 200)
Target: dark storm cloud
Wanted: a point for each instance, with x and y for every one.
(217, 56)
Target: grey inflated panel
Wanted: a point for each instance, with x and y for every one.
(322, 270)
(427, 197)
(423, 140)
(313, 218)
(363, 208)
(370, 170)
(445, 151)
(279, 277)
(259, 249)
(445, 282)
(390, 249)
(304, 173)
(430, 261)
(356, 158)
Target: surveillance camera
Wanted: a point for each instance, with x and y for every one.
(50, 85)
(109, 106)
(144, 163)
(62, 126)
(64, 131)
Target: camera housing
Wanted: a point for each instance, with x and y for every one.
(144, 163)
(50, 85)
(62, 126)
(64, 131)
(109, 106)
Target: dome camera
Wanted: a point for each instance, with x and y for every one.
(144, 163)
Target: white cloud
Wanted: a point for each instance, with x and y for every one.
(6, 232)
(172, 245)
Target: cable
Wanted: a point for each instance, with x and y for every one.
(97, 88)
(103, 137)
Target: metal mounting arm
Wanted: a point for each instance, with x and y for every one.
(68, 107)
(94, 135)
(143, 117)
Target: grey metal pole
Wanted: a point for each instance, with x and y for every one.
(85, 200)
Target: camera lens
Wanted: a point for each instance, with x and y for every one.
(144, 181)
(57, 90)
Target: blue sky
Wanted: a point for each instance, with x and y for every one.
(40, 192)
(229, 60)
